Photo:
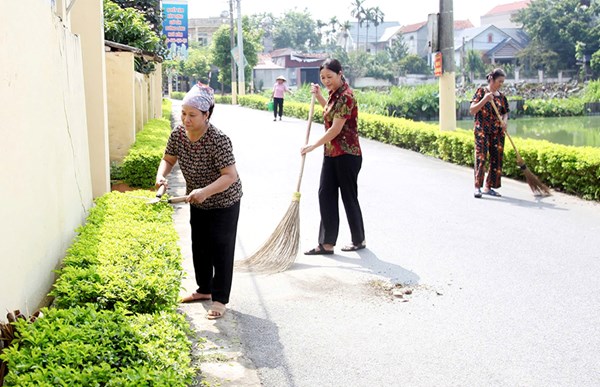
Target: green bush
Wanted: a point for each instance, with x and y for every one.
(140, 165)
(177, 95)
(224, 99)
(83, 346)
(125, 256)
(575, 170)
(555, 107)
(592, 92)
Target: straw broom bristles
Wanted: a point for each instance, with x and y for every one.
(537, 187)
(279, 251)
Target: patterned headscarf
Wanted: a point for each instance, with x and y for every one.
(200, 96)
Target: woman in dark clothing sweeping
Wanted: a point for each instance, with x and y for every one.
(214, 190)
(342, 161)
(489, 133)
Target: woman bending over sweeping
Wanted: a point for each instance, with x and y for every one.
(489, 133)
(214, 190)
(342, 161)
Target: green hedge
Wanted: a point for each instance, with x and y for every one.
(87, 347)
(177, 95)
(140, 165)
(574, 170)
(125, 256)
(114, 321)
(555, 107)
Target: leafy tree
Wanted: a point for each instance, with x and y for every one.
(128, 26)
(296, 30)
(345, 26)
(220, 50)
(555, 26)
(474, 64)
(149, 8)
(197, 66)
(595, 64)
(381, 67)
(534, 57)
(369, 17)
(378, 17)
(414, 64)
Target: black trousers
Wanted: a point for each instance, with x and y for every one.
(278, 105)
(213, 246)
(340, 174)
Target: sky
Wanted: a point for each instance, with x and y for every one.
(403, 11)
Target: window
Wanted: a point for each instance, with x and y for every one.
(203, 39)
(490, 38)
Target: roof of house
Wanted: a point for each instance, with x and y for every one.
(471, 33)
(413, 27)
(508, 8)
(373, 31)
(462, 24)
(506, 48)
(389, 33)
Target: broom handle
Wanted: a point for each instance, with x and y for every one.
(519, 158)
(311, 112)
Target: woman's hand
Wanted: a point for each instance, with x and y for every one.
(488, 97)
(315, 88)
(161, 180)
(306, 149)
(504, 125)
(197, 196)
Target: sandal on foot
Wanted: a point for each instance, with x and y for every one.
(319, 250)
(477, 193)
(195, 297)
(491, 192)
(354, 247)
(216, 311)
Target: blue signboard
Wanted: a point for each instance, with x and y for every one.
(175, 27)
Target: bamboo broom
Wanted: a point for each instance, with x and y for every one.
(537, 187)
(279, 251)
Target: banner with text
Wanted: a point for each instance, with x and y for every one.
(175, 27)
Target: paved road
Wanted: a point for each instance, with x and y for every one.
(505, 290)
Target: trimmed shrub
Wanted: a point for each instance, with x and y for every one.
(575, 170)
(140, 165)
(84, 346)
(177, 95)
(126, 256)
(554, 107)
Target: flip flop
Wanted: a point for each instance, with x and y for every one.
(216, 307)
(354, 247)
(491, 192)
(319, 250)
(194, 297)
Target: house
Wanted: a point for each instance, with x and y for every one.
(358, 36)
(201, 30)
(299, 68)
(501, 15)
(495, 45)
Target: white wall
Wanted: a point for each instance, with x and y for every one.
(47, 189)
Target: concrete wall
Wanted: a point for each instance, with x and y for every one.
(47, 187)
(133, 100)
(87, 21)
(120, 83)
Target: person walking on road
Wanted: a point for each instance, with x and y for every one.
(279, 89)
(214, 191)
(489, 133)
(342, 161)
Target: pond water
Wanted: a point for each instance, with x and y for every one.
(577, 131)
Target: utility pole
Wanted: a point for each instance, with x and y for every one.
(448, 78)
(240, 41)
(232, 40)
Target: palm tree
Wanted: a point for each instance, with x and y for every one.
(345, 26)
(369, 14)
(320, 25)
(378, 16)
(333, 23)
(357, 13)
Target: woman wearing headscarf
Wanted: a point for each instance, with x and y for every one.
(489, 133)
(342, 161)
(213, 189)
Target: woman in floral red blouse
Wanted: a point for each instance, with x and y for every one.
(342, 161)
(489, 132)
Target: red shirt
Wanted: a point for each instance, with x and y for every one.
(486, 119)
(342, 104)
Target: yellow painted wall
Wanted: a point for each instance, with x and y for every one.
(120, 82)
(139, 102)
(87, 22)
(47, 187)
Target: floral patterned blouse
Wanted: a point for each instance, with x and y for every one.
(201, 163)
(342, 104)
(485, 118)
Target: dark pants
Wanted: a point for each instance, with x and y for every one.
(340, 174)
(213, 246)
(492, 143)
(278, 105)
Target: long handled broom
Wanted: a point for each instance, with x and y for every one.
(279, 252)
(536, 185)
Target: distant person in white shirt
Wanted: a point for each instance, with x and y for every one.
(279, 90)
